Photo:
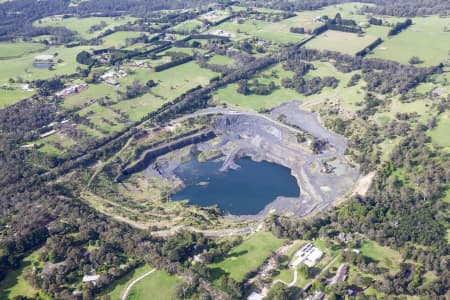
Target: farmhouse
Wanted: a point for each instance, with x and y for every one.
(255, 296)
(307, 254)
(341, 274)
(113, 75)
(221, 32)
(44, 58)
(91, 278)
(71, 90)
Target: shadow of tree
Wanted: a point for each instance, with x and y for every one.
(11, 279)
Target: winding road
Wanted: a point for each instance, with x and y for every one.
(130, 286)
(294, 280)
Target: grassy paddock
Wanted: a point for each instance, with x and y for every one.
(81, 26)
(345, 42)
(8, 50)
(118, 39)
(118, 286)
(270, 31)
(14, 284)
(10, 97)
(385, 256)
(157, 286)
(439, 134)
(425, 38)
(247, 256)
(65, 63)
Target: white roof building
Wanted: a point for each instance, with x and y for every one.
(44, 57)
(255, 296)
(307, 254)
(91, 278)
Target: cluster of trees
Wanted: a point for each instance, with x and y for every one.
(255, 87)
(14, 24)
(407, 8)
(135, 89)
(340, 24)
(173, 63)
(375, 21)
(370, 47)
(371, 105)
(310, 87)
(354, 80)
(299, 30)
(399, 27)
(381, 76)
(84, 58)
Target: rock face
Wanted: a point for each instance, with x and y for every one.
(322, 177)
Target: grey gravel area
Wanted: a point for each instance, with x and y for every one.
(264, 137)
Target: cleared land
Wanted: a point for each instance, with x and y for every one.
(344, 42)
(426, 39)
(8, 50)
(188, 26)
(82, 26)
(14, 284)
(384, 256)
(440, 133)
(248, 255)
(9, 97)
(65, 63)
(307, 19)
(221, 60)
(157, 286)
(230, 95)
(119, 39)
(276, 32)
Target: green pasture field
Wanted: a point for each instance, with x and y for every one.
(344, 42)
(118, 39)
(230, 95)
(81, 26)
(9, 50)
(221, 60)
(188, 26)
(103, 117)
(138, 107)
(423, 107)
(425, 38)
(175, 81)
(14, 284)
(247, 256)
(54, 142)
(347, 96)
(93, 92)
(9, 97)
(23, 66)
(440, 134)
(158, 286)
(215, 16)
(269, 31)
(171, 83)
(116, 289)
(307, 19)
(384, 256)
